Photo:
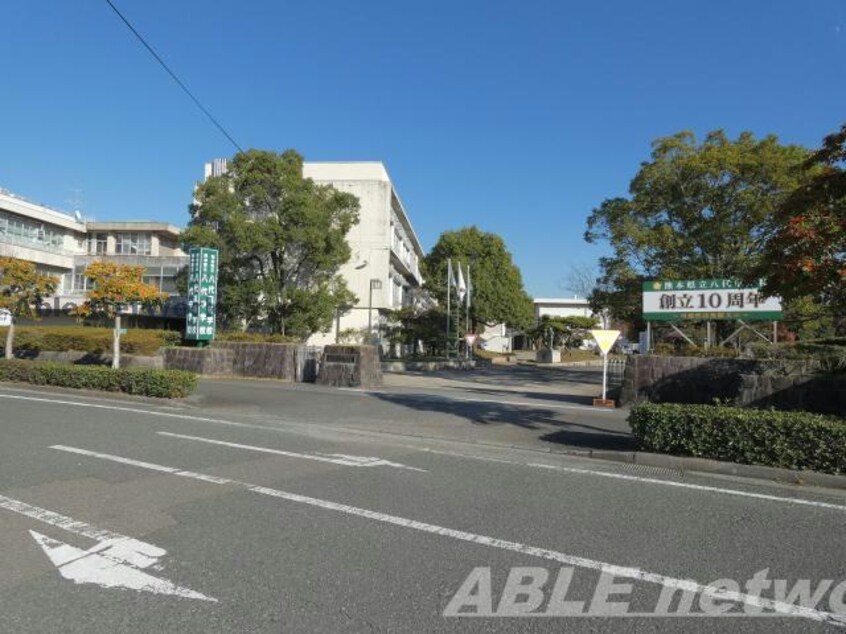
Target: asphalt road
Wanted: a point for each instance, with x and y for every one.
(260, 507)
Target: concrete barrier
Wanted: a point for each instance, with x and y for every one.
(350, 366)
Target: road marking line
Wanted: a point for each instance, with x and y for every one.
(604, 474)
(115, 561)
(339, 459)
(631, 478)
(626, 572)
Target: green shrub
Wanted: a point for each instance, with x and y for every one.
(790, 440)
(141, 381)
(92, 340)
(254, 337)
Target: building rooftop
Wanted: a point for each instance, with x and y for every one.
(134, 225)
(569, 301)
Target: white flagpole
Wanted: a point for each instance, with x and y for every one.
(449, 294)
(467, 307)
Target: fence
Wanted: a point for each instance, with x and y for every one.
(616, 370)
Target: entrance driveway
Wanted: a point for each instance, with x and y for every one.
(537, 408)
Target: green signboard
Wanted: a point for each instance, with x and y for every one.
(202, 294)
(707, 300)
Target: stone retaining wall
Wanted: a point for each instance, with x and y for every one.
(266, 360)
(432, 366)
(350, 366)
(212, 361)
(744, 382)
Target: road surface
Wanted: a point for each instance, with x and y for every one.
(263, 507)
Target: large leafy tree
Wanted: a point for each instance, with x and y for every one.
(695, 210)
(498, 295)
(22, 289)
(114, 288)
(805, 255)
(282, 240)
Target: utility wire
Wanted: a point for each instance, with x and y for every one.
(174, 76)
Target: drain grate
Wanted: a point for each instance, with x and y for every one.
(646, 470)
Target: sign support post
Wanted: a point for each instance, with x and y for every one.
(605, 341)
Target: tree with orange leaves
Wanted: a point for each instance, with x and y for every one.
(22, 289)
(805, 255)
(115, 288)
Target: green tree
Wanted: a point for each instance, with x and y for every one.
(805, 253)
(695, 210)
(282, 240)
(567, 332)
(498, 295)
(22, 289)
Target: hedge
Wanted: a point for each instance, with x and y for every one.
(790, 440)
(93, 340)
(254, 337)
(141, 381)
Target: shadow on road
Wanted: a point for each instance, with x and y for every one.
(595, 434)
(558, 397)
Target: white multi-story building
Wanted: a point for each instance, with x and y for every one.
(563, 307)
(62, 245)
(384, 269)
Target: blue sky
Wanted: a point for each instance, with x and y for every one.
(519, 117)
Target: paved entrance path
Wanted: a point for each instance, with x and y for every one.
(515, 406)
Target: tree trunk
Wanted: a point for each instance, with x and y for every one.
(10, 340)
(116, 343)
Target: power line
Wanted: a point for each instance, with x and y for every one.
(174, 76)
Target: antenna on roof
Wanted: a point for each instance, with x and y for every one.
(76, 203)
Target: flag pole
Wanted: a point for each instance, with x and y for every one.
(467, 308)
(449, 293)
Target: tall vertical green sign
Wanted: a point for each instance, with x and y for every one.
(202, 294)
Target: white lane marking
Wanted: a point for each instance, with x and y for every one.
(333, 458)
(626, 572)
(115, 561)
(631, 478)
(605, 474)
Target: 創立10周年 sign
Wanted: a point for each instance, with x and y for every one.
(677, 300)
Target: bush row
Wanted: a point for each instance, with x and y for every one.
(93, 340)
(790, 440)
(254, 337)
(141, 381)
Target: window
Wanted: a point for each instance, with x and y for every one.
(97, 244)
(132, 244)
(80, 282)
(30, 233)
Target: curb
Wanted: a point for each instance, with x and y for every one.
(704, 465)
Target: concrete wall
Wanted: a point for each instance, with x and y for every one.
(209, 361)
(284, 361)
(744, 382)
(350, 366)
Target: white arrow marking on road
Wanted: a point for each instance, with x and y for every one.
(114, 562)
(628, 572)
(102, 565)
(334, 458)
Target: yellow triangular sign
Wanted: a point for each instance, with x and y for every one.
(605, 339)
